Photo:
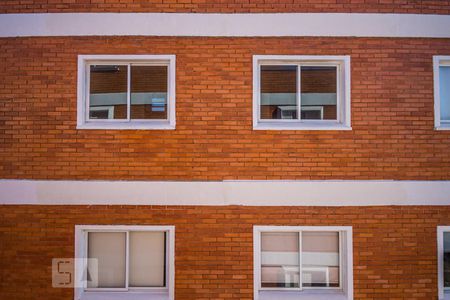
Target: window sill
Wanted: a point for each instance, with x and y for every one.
(320, 125)
(134, 295)
(152, 125)
(303, 295)
(443, 127)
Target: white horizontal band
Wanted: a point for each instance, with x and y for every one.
(260, 193)
(200, 24)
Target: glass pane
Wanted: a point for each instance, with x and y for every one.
(108, 92)
(447, 259)
(278, 92)
(444, 87)
(318, 93)
(320, 259)
(148, 92)
(109, 249)
(147, 259)
(280, 259)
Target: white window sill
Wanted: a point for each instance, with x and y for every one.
(310, 125)
(443, 127)
(150, 125)
(133, 295)
(303, 295)
(446, 296)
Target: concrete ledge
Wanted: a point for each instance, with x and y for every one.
(250, 193)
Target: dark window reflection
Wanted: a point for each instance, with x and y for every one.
(278, 92)
(148, 92)
(318, 93)
(108, 92)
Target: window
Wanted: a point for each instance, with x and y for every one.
(301, 92)
(126, 92)
(125, 260)
(441, 92)
(296, 262)
(443, 234)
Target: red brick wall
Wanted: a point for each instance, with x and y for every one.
(394, 247)
(231, 6)
(392, 114)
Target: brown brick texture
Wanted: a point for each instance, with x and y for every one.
(231, 6)
(394, 247)
(393, 134)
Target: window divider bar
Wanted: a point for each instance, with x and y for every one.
(299, 88)
(129, 92)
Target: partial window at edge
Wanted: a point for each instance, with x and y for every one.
(442, 92)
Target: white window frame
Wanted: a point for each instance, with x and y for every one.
(84, 61)
(81, 243)
(346, 265)
(343, 104)
(444, 293)
(439, 61)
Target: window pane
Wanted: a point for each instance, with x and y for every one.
(444, 87)
(147, 259)
(110, 251)
(320, 259)
(280, 259)
(108, 92)
(447, 259)
(318, 93)
(148, 92)
(278, 92)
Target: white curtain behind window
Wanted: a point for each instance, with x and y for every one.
(109, 248)
(320, 259)
(147, 259)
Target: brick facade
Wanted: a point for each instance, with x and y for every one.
(392, 138)
(394, 247)
(232, 6)
(393, 134)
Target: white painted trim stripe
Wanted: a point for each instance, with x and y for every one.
(258, 193)
(201, 24)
